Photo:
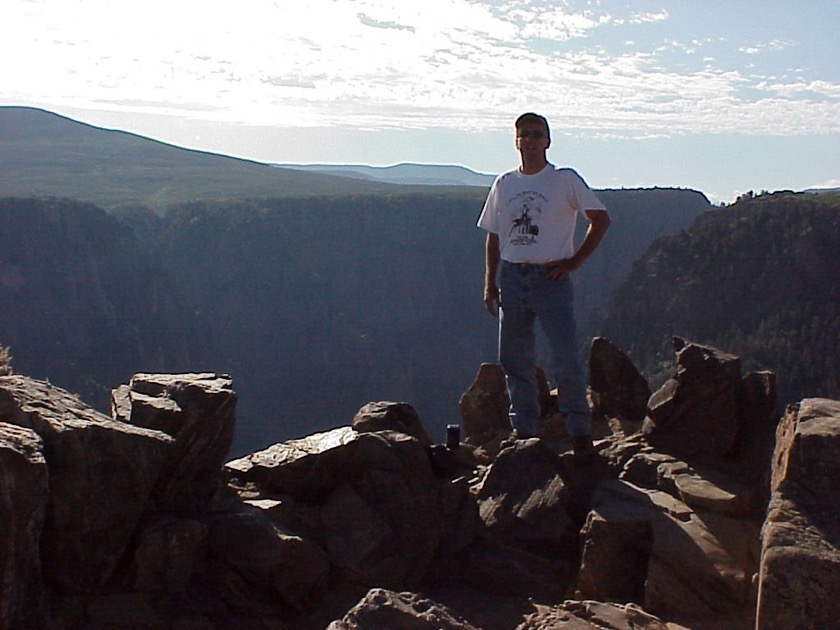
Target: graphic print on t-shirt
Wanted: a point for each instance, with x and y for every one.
(526, 209)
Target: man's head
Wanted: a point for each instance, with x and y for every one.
(529, 123)
(532, 140)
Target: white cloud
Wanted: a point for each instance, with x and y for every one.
(388, 63)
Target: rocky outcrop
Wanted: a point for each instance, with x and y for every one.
(101, 473)
(87, 500)
(136, 521)
(24, 488)
(800, 560)
(197, 410)
(696, 412)
(371, 500)
(617, 388)
(381, 608)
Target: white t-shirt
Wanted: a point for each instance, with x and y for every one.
(534, 215)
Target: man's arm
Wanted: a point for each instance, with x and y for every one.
(491, 266)
(599, 221)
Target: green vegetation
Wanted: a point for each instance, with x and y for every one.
(46, 155)
(760, 279)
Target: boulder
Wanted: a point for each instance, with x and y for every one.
(799, 580)
(617, 388)
(384, 609)
(380, 513)
(615, 558)
(484, 406)
(390, 416)
(594, 615)
(757, 431)
(167, 552)
(696, 413)
(500, 569)
(523, 499)
(697, 566)
(24, 492)
(310, 467)
(245, 545)
(102, 474)
(197, 410)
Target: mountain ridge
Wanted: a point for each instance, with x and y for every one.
(46, 154)
(405, 173)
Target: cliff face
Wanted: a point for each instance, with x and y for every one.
(761, 278)
(82, 304)
(332, 302)
(364, 298)
(134, 520)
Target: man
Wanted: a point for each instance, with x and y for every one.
(530, 216)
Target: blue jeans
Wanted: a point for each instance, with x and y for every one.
(527, 295)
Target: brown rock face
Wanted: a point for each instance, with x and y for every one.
(523, 500)
(390, 416)
(484, 406)
(24, 492)
(799, 582)
(379, 511)
(197, 411)
(618, 389)
(123, 523)
(101, 476)
(696, 413)
(381, 608)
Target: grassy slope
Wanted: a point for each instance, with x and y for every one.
(46, 155)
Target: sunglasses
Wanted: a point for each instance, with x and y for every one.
(531, 133)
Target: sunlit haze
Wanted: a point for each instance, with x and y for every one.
(718, 96)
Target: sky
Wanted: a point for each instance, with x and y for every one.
(718, 96)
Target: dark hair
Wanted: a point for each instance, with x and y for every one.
(531, 117)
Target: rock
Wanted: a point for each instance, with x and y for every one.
(502, 569)
(757, 431)
(389, 502)
(461, 517)
(617, 388)
(266, 559)
(615, 558)
(523, 498)
(594, 615)
(24, 491)
(101, 476)
(310, 467)
(699, 565)
(799, 580)
(129, 526)
(382, 609)
(695, 414)
(380, 510)
(198, 411)
(484, 406)
(167, 553)
(711, 491)
(390, 416)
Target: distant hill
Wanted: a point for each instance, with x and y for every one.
(760, 278)
(406, 174)
(43, 154)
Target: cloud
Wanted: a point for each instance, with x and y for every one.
(368, 21)
(773, 45)
(598, 68)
